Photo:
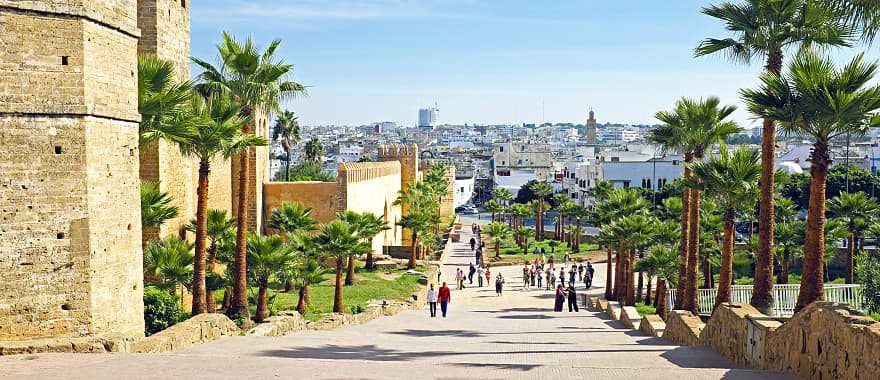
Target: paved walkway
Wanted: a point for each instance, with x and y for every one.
(512, 336)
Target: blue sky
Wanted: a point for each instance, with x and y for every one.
(483, 61)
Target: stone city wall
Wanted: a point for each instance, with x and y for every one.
(259, 174)
(321, 197)
(373, 187)
(70, 237)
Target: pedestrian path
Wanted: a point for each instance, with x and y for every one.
(512, 336)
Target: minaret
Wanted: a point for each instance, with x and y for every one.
(590, 129)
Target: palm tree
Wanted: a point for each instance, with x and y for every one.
(257, 81)
(156, 206)
(292, 217)
(217, 131)
(268, 256)
(418, 205)
(519, 212)
(314, 150)
(619, 203)
(495, 208)
(693, 127)
(307, 269)
(498, 233)
(580, 214)
(542, 190)
(857, 209)
(819, 101)
(220, 229)
(339, 240)
(764, 29)
(563, 208)
(663, 262)
(169, 261)
(732, 179)
(522, 235)
(787, 240)
(286, 131)
(367, 225)
(161, 101)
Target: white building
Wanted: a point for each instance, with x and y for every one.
(349, 154)
(619, 135)
(464, 191)
(579, 177)
(428, 117)
(651, 174)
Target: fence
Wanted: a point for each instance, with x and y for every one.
(784, 297)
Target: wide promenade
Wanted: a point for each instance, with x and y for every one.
(514, 336)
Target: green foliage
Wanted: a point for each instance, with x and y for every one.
(169, 262)
(797, 188)
(161, 310)
(743, 139)
(292, 217)
(161, 100)
(314, 150)
(307, 171)
(868, 274)
(156, 207)
(645, 309)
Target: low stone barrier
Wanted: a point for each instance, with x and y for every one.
(199, 329)
(613, 309)
(652, 325)
(683, 328)
(738, 332)
(279, 325)
(826, 340)
(630, 317)
(602, 304)
(87, 344)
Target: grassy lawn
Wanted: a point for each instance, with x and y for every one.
(510, 251)
(391, 285)
(645, 309)
(876, 316)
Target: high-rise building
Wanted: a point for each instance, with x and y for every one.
(428, 117)
(590, 129)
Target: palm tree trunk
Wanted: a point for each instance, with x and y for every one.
(812, 282)
(412, 255)
(762, 294)
(199, 303)
(640, 284)
(783, 275)
(690, 296)
(648, 291)
(725, 276)
(210, 302)
(620, 273)
(239, 307)
(227, 298)
(850, 259)
(338, 306)
(498, 249)
(349, 276)
(707, 273)
(683, 243)
(630, 278)
(608, 275)
(262, 301)
(660, 300)
(289, 158)
(303, 296)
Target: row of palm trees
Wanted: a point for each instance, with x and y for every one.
(215, 116)
(421, 203)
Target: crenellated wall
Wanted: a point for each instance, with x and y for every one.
(373, 187)
(408, 157)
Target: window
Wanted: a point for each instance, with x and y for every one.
(674, 162)
(625, 184)
(500, 148)
(65, 60)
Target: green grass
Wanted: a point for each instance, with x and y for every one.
(876, 316)
(368, 286)
(645, 309)
(510, 249)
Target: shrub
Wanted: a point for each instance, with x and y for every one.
(868, 274)
(161, 310)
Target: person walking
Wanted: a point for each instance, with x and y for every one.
(560, 298)
(471, 272)
(590, 272)
(480, 274)
(562, 276)
(551, 283)
(581, 271)
(432, 301)
(478, 256)
(538, 277)
(459, 278)
(572, 299)
(499, 284)
(444, 296)
(473, 243)
(572, 275)
(488, 275)
(547, 275)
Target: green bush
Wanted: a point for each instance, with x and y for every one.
(868, 274)
(161, 310)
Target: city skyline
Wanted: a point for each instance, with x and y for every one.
(485, 63)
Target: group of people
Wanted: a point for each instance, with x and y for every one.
(537, 273)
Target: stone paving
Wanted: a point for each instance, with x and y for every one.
(516, 335)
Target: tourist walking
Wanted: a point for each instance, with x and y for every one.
(499, 284)
(548, 273)
(590, 272)
(444, 297)
(572, 275)
(562, 276)
(488, 275)
(525, 271)
(473, 243)
(581, 272)
(480, 274)
(471, 272)
(560, 298)
(572, 299)
(538, 277)
(551, 283)
(459, 278)
(432, 301)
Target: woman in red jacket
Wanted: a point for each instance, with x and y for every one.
(444, 297)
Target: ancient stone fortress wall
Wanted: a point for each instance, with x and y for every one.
(70, 237)
(321, 197)
(447, 201)
(259, 174)
(408, 157)
(373, 187)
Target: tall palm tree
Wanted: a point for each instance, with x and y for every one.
(857, 210)
(732, 179)
(340, 240)
(765, 29)
(580, 214)
(519, 212)
(693, 127)
(497, 232)
(286, 131)
(663, 261)
(619, 203)
(221, 229)
(816, 100)
(268, 256)
(217, 131)
(542, 190)
(314, 150)
(307, 269)
(563, 208)
(495, 208)
(367, 225)
(258, 82)
(788, 240)
(156, 206)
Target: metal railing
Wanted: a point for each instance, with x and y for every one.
(784, 297)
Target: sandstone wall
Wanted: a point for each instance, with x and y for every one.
(373, 187)
(826, 341)
(408, 157)
(738, 332)
(259, 174)
(70, 248)
(683, 328)
(196, 330)
(321, 197)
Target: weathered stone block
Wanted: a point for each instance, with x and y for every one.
(652, 325)
(683, 328)
(630, 317)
